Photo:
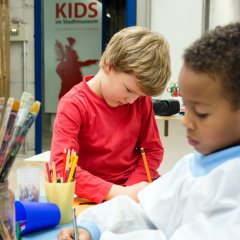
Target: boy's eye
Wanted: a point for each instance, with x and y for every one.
(129, 90)
(202, 115)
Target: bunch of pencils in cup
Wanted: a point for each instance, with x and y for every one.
(16, 118)
(70, 160)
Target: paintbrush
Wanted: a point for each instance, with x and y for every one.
(2, 102)
(8, 131)
(5, 118)
(14, 148)
(26, 102)
(10, 125)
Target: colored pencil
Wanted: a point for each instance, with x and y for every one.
(48, 172)
(66, 174)
(59, 180)
(146, 165)
(18, 229)
(73, 166)
(73, 153)
(64, 161)
(67, 162)
(54, 173)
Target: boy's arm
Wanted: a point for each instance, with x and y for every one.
(121, 214)
(65, 136)
(67, 233)
(202, 227)
(130, 191)
(149, 139)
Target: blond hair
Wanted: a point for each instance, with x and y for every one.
(142, 53)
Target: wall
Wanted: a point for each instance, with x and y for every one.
(223, 12)
(181, 23)
(175, 144)
(22, 75)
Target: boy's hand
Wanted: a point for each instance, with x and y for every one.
(133, 190)
(68, 234)
(130, 191)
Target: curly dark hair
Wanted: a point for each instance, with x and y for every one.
(217, 54)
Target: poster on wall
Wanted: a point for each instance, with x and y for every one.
(72, 41)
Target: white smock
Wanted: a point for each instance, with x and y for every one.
(196, 200)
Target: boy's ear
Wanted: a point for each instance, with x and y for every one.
(107, 68)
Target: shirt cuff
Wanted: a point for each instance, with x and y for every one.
(92, 228)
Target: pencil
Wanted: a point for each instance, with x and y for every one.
(73, 167)
(146, 165)
(64, 161)
(67, 160)
(18, 230)
(66, 174)
(54, 173)
(75, 229)
(48, 172)
(72, 156)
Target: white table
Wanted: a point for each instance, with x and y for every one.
(42, 157)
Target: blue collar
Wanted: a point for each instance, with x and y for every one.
(201, 164)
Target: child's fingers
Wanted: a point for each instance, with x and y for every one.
(66, 234)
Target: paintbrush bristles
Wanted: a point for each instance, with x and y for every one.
(16, 106)
(35, 107)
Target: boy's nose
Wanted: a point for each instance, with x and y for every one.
(187, 121)
(131, 99)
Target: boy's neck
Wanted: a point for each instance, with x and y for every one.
(95, 83)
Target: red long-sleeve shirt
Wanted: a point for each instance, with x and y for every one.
(107, 141)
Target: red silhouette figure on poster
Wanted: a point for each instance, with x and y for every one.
(69, 66)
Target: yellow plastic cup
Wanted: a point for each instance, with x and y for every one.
(61, 194)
